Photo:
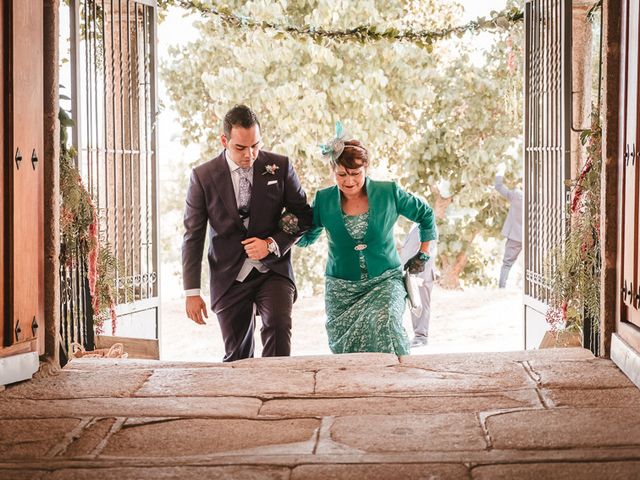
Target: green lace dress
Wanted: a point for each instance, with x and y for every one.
(366, 315)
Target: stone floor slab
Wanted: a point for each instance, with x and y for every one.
(174, 473)
(597, 373)
(97, 364)
(409, 433)
(560, 471)
(395, 405)
(24, 474)
(220, 407)
(594, 397)
(186, 437)
(424, 471)
(511, 415)
(33, 438)
(110, 382)
(405, 379)
(565, 428)
(88, 441)
(317, 362)
(227, 381)
(552, 354)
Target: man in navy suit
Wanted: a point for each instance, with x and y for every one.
(241, 194)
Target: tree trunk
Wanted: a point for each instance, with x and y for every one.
(450, 278)
(441, 203)
(450, 272)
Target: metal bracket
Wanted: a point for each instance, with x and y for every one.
(626, 154)
(18, 330)
(18, 158)
(34, 159)
(34, 327)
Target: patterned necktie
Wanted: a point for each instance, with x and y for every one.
(244, 194)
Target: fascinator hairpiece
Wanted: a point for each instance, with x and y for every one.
(334, 148)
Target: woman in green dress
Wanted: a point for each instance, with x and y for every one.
(365, 294)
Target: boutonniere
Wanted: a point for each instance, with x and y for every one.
(270, 169)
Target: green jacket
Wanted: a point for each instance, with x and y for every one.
(387, 201)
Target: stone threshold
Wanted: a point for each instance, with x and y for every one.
(626, 358)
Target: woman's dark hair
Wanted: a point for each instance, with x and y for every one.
(353, 156)
(239, 116)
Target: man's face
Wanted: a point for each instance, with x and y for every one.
(243, 145)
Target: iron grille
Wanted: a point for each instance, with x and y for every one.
(114, 104)
(546, 137)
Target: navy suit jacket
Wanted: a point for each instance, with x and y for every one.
(211, 200)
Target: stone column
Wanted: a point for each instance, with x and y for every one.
(581, 81)
(612, 12)
(51, 183)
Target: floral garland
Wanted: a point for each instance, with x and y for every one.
(574, 267)
(362, 33)
(79, 232)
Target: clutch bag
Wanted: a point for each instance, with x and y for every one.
(413, 295)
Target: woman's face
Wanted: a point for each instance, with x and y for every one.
(350, 181)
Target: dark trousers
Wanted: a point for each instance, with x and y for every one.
(266, 294)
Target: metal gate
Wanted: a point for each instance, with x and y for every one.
(546, 150)
(114, 105)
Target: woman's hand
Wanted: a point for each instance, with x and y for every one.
(417, 263)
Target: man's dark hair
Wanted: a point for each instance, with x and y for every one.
(239, 116)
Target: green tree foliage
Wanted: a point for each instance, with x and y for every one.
(425, 113)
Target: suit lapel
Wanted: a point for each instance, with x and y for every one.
(224, 187)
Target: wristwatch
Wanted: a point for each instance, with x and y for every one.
(271, 245)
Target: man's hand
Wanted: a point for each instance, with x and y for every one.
(256, 248)
(195, 308)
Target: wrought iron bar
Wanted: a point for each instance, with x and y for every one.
(116, 93)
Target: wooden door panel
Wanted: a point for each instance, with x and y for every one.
(3, 56)
(630, 170)
(628, 273)
(26, 181)
(631, 177)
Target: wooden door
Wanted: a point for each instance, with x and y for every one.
(23, 133)
(3, 164)
(628, 321)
